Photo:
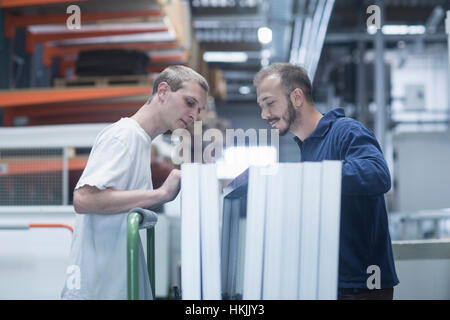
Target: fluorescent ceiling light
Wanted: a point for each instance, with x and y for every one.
(264, 35)
(403, 29)
(400, 29)
(224, 56)
(244, 90)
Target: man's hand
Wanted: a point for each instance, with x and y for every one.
(171, 186)
(88, 199)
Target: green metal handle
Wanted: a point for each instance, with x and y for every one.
(134, 220)
(133, 255)
(151, 258)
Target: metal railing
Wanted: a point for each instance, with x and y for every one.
(27, 226)
(139, 218)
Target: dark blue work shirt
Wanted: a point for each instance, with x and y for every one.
(364, 233)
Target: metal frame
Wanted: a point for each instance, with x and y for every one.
(234, 207)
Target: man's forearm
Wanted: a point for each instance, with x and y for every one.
(109, 201)
(368, 177)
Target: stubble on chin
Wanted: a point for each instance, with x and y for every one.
(289, 117)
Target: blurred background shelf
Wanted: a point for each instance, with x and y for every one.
(12, 167)
(24, 3)
(71, 105)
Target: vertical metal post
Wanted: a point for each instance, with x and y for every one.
(133, 255)
(447, 30)
(361, 85)
(320, 38)
(40, 74)
(65, 177)
(380, 87)
(5, 55)
(21, 74)
(151, 259)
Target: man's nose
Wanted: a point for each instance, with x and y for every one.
(264, 114)
(194, 115)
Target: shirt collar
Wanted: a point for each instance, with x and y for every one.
(324, 124)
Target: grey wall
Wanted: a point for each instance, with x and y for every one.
(421, 170)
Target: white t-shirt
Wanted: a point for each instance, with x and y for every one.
(119, 159)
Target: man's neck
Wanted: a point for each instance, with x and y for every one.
(306, 122)
(148, 117)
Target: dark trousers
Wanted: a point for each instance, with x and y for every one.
(366, 294)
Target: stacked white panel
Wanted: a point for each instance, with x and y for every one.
(254, 243)
(209, 222)
(291, 215)
(273, 237)
(190, 232)
(309, 236)
(329, 230)
(292, 240)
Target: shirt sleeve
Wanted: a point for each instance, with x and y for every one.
(364, 170)
(107, 165)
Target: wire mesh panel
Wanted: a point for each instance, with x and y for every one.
(31, 176)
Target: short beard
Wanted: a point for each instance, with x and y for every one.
(289, 116)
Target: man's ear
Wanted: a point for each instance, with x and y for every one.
(163, 90)
(297, 97)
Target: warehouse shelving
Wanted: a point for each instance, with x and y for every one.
(16, 98)
(41, 34)
(43, 39)
(41, 165)
(12, 21)
(49, 51)
(24, 3)
(81, 101)
(143, 42)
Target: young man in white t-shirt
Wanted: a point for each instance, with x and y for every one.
(117, 178)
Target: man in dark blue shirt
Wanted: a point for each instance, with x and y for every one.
(284, 94)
